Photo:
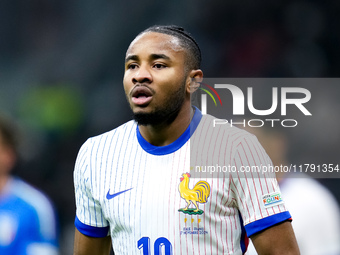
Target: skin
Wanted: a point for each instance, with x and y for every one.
(275, 144)
(157, 61)
(85, 245)
(7, 161)
(277, 240)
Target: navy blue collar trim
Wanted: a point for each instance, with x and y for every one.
(163, 150)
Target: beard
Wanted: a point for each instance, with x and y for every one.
(166, 113)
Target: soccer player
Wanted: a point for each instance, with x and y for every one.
(135, 186)
(27, 219)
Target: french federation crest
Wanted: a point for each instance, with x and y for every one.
(199, 194)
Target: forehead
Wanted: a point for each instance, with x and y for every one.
(153, 42)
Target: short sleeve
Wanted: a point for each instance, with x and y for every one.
(89, 216)
(255, 188)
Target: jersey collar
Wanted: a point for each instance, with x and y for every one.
(164, 150)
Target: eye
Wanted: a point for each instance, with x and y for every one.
(159, 66)
(132, 66)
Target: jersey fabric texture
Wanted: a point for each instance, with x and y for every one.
(27, 220)
(130, 189)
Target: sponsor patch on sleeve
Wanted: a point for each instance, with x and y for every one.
(272, 199)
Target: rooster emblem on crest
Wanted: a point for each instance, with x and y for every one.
(199, 194)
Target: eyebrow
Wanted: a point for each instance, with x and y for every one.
(158, 56)
(131, 57)
(152, 57)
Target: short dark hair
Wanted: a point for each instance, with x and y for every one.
(186, 41)
(8, 134)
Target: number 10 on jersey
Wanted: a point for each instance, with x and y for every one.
(144, 244)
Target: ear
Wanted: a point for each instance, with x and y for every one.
(194, 79)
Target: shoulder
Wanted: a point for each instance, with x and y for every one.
(222, 144)
(114, 133)
(105, 139)
(98, 148)
(34, 202)
(221, 128)
(30, 195)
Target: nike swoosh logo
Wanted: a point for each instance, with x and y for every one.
(110, 196)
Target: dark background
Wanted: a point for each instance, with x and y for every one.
(61, 69)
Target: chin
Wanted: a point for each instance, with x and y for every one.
(155, 117)
(145, 118)
(141, 110)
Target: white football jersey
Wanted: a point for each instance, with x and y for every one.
(153, 200)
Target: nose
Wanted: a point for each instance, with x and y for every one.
(142, 75)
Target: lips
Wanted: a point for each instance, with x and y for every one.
(141, 95)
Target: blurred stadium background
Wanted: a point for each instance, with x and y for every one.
(61, 69)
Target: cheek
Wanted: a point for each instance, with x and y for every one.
(127, 85)
(171, 81)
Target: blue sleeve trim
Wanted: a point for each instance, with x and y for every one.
(91, 231)
(259, 225)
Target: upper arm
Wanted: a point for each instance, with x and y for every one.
(278, 239)
(90, 219)
(260, 203)
(256, 193)
(85, 245)
(91, 235)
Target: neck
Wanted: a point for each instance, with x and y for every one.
(3, 181)
(165, 133)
